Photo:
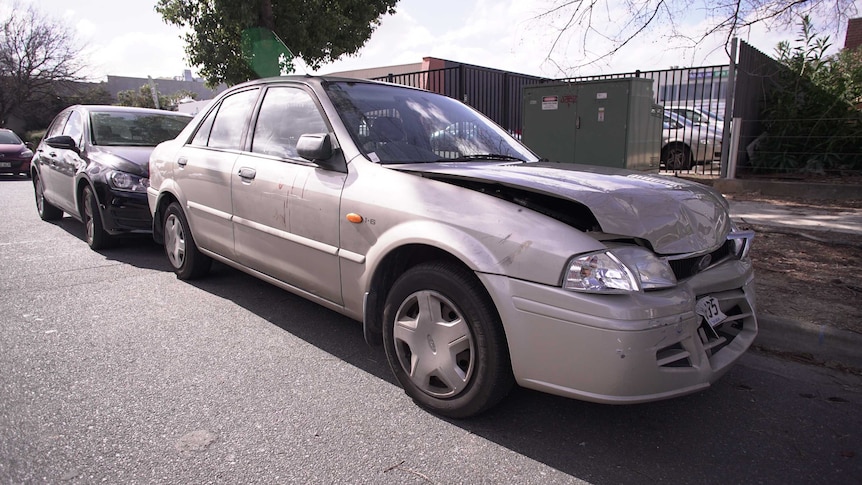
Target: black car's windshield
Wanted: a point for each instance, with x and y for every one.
(129, 128)
(401, 125)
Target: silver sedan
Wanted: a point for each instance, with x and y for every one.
(476, 265)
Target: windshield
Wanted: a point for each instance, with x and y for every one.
(129, 128)
(9, 138)
(401, 125)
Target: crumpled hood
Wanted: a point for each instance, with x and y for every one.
(129, 159)
(676, 216)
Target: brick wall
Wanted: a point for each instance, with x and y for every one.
(854, 34)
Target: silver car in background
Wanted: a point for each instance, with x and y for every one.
(686, 143)
(473, 263)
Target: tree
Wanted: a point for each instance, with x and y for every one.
(316, 31)
(143, 98)
(36, 54)
(604, 27)
(811, 116)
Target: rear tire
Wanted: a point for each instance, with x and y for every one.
(94, 231)
(47, 212)
(187, 262)
(444, 341)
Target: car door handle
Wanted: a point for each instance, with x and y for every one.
(182, 161)
(247, 173)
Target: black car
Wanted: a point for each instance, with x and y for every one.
(15, 154)
(93, 164)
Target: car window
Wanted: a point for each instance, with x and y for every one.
(9, 138)
(135, 128)
(56, 128)
(285, 114)
(202, 136)
(398, 125)
(75, 127)
(231, 120)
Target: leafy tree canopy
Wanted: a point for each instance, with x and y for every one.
(318, 31)
(143, 98)
(811, 116)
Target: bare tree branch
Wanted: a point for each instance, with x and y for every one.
(670, 21)
(36, 53)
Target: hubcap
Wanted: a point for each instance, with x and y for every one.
(677, 159)
(434, 344)
(175, 242)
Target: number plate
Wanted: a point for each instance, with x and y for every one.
(708, 308)
(5, 164)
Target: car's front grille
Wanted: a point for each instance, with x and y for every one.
(687, 267)
(712, 339)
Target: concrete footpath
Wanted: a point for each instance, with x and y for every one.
(805, 341)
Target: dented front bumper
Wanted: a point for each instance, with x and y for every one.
(626, 348)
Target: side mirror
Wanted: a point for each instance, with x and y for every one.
(63, 142)
(318, 148)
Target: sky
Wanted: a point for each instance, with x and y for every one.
(129, 38)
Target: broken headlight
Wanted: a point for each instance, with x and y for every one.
(619, 270)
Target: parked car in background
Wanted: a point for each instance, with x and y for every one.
(15, 154)
(698, 116)
(685, 143)
(472, 262)
(93, 164)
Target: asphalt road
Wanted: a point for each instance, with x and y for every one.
(114, 371)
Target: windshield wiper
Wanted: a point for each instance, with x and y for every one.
(481, 156)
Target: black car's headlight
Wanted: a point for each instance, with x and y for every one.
(127, 182)
(618, 270)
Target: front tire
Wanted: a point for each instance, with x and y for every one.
(47, 211)
(444, 341)
(95, 233)
(188, 263)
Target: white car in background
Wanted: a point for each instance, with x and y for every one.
(699, 116)
(685, 143)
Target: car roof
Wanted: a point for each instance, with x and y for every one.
(316, 80)
(109, 108)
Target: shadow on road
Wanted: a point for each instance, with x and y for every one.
(138, 250)
(727, 431)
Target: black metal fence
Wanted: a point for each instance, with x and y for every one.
(695, 102)
(497, 94)
(695, 97)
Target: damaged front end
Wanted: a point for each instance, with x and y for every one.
(663, 310)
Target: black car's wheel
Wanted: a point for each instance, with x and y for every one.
(47, 212)
(187, 262)
(444, 341)
(677, 157)
(94, 232)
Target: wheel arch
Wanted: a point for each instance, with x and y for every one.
(389, 268)
(165, 198)
(671, 144)
(80, 184)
